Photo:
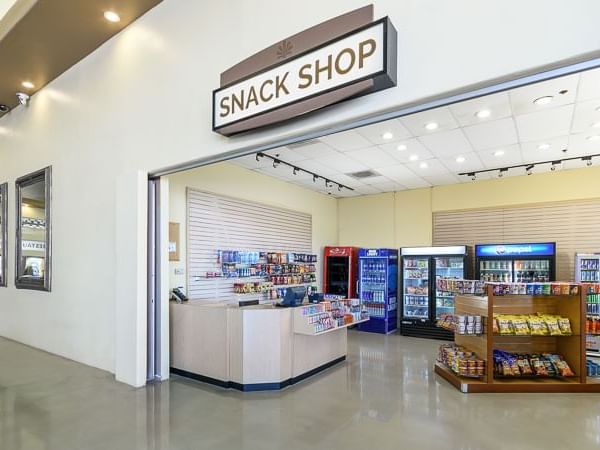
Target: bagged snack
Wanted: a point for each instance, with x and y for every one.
(537, 326)
(552, 324)
(505, 368)
(520, 326)
(524, 366)
(538, 366)
(504, 325)
(565, 326)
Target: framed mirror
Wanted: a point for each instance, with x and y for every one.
(3, 232)
(34, 231)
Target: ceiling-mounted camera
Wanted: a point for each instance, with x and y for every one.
(23, 98)
(4, 108)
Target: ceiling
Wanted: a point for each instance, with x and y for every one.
(407, 155)
(40, 39)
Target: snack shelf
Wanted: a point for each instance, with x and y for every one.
(571, 347)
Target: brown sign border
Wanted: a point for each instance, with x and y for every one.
(383, 79)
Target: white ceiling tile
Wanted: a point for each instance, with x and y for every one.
(286, 154)
(497, 104)
(317, 167)
(511, 155)
(532, 153)
(447, 143)
(314, 150)
(415, 183)
(389, 186)
(410, 147)
(545, 124)
(415, 123)
(589, 85)
(376, 180)
(395, 172)
(367, 190)
(471, 162)
(439, 180)
(249, 162)
(492, 134)
(374, 133)
(522, 98)
(346, 141)
(434, 167)
(342, 163)
(372, 157)
(581, 144)
(348, 181)
(586, 115)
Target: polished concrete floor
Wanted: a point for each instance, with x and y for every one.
(385, 397)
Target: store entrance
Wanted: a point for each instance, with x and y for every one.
(345, 220)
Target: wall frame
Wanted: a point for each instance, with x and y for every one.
(3, 234)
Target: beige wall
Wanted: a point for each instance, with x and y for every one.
(231, 180)
(405, 218)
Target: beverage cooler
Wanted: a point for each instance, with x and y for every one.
(422, 303)
(518, 263)
(587, 267)
(378, 288)
(340, 271)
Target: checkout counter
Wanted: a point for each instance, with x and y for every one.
(252, 348)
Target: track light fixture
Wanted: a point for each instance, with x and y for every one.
(277, 162)
(529, 166)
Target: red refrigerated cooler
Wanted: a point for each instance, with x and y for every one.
(340, 271)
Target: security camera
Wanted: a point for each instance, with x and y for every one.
(23, 98)
(4, 108)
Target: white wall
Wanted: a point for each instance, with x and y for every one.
(234, 181)
(143, 100)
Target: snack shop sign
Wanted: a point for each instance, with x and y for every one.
(517, 249)
(359, 61)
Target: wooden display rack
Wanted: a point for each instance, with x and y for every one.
(572, 348)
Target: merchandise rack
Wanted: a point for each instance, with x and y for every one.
(571, 347)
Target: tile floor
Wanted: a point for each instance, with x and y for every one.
(385, 396)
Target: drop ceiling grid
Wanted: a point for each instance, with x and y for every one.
(459, 133)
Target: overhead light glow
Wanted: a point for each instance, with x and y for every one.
(112, 16)
(413, 157)
(27, 85)
(423, 165)
(401, 147)
(483, 114)
(541, 101)
(431, 126)
(499, 153)
(387, 135)
(595, 137)
(460, 159)
(596, 125)
(543, 146)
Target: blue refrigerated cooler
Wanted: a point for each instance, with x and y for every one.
(378, 288)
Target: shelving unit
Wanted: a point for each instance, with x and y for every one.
(572, 347)
(309, 319)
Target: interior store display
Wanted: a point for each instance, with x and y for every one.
(329, 315)
(461, 361)
(541, 350)
(592, 324)
(378, 288)
(477, 287)
(422, 302)
(461, 324)
(268, 274)
(522, 263)
(340, 274)
(587, 267)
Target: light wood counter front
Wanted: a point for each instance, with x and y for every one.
(250, 348)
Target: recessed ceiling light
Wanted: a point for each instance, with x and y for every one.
(431, 126)
(111, 16)
(483, 114)
(401, 147)
(423, 165)
(596, 125)
(27, 85)
(499, 153)
(460, 159)
(413, 157)
(598, 108)
(543, 100)
(595, 137)
(543, 146)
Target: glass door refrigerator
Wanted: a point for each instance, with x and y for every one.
(519, 263)
(340, 271)
(422, 303)
(587, 267)
(378, 288)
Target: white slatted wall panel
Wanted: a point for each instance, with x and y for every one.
(574, 226)
(216, 222)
